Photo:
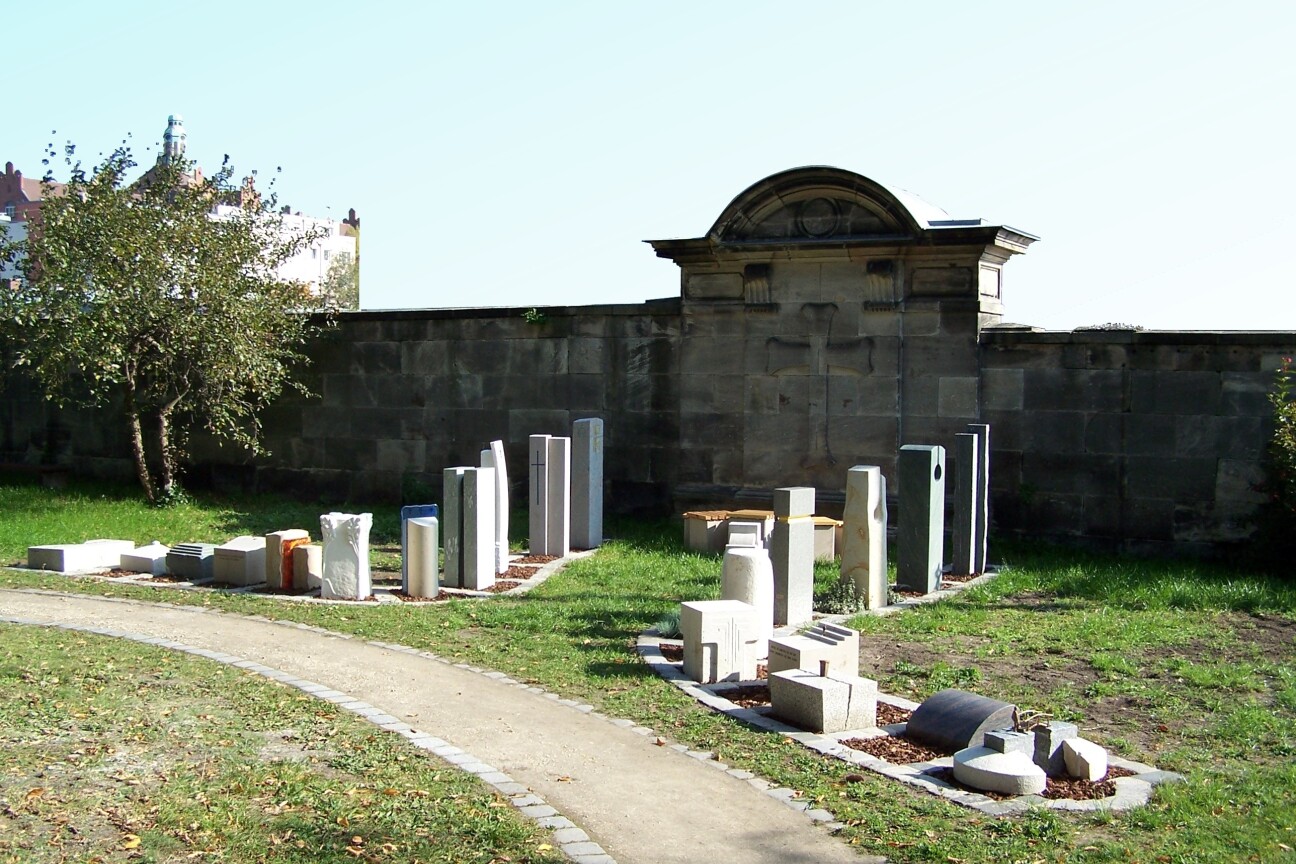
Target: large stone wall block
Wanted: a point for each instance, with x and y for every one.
(1003, 389)
(921, 534)
(958, 397)
(1176, 392)
(1073, 390)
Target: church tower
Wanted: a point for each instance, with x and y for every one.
(173, 140)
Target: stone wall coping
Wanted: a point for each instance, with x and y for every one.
(655, 306)
(996, 336)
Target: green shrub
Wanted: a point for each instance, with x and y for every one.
(1276, 537)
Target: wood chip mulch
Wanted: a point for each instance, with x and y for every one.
(535, 559)
(407, 598)
(502, 585)
(519, 573)
(1055, 788)
(748, 695)
(672, 653)
(888, 714)
(895, 749)
(958, 578)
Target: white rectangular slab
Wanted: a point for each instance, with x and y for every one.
(558, 495)
(150, 559)
(587, 484)
(346, 556)
(75, 557)
(241, 561)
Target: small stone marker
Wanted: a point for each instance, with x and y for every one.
(719, 640)
(1048, 746)
(74, 557)
(981, 543)
(764, 517)
(921, 534)
(408, 512)
(241, 561)
(1008, 741)
(792, 554)
(833, 644)
(864, 539)
(966, 453)
(346, 556)
(823, 704)
(587, 484)
(308, 567)
(747, 575)
(149, 559)
(191, 561)
(1084, 759)
(952, 720)
(744, 534)
(422, 550)
(1011, 773)
(279, 559)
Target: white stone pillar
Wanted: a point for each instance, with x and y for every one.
(746, 575)
(587, 484)
(346, 556)
(558, 495)
(864, 546)
(538, 501)
(478, 510)
(792, 554)
(422, 549)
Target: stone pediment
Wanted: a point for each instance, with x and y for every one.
(814, 204)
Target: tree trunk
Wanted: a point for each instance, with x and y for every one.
(166, 472)
(137, 445)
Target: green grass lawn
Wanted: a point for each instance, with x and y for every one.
(1187, 665)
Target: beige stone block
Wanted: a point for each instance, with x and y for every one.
(958, 397)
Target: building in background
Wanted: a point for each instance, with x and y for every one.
(328, 267)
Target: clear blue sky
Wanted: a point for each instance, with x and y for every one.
(517, 153)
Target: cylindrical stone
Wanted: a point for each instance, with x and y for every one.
(952, 720)
(748, 576)
(421, 557)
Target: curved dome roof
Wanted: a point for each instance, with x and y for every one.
(822, 202)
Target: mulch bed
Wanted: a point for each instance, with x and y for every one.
(672, 653)
(535, 559)
(888, 714)
(407, 598)
(895, 749)
(959, 578)
(748, 695)
(1055, 788)
(519, 573)
(501, 586)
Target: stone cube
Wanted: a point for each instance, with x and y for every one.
(824, 704)
(825, 537)
(744, 534)
(1008, 741)
(241, 561)
(1048, 746)
(719, 640)
(149, 559)
(705, 530)
(191, 561)
(1084, 759)
(278, 556)
(308, 567)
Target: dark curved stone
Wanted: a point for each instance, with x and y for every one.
(954, 719)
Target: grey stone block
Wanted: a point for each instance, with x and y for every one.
(921, 533)
(1048, 746)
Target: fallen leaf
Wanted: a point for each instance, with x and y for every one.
(35, 793)
(131, 842)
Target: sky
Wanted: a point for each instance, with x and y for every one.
(517, 154)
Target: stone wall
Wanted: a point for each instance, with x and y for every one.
(1149, 440)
